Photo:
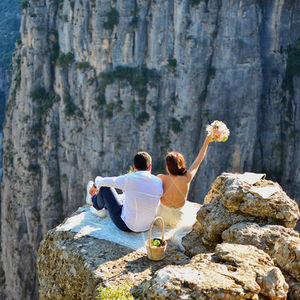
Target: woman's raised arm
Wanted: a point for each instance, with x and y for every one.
(195, 165)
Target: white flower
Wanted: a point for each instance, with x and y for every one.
(218, 131)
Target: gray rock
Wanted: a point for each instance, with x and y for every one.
(282, 244)
(73, 265)
(232, 200)
(232, 272)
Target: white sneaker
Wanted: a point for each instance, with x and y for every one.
(88, 198)
(100, 213)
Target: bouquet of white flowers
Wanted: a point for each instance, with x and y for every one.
(218, 131)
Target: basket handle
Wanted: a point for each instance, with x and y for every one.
(150, 230)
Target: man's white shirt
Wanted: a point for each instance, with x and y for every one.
(142, 194)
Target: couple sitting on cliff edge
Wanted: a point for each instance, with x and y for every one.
(146, 195)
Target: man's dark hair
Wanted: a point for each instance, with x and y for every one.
(142, 161)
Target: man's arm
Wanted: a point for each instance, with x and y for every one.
(195, 165)
(118, 182)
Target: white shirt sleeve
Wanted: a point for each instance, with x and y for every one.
(118, 182)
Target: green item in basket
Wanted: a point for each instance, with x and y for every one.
(156, 243)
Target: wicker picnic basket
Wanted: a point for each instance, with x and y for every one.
(156, 252)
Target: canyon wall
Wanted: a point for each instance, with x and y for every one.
(95, 81)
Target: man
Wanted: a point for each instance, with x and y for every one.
(142, 193)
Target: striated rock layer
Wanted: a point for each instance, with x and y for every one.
(74, 113)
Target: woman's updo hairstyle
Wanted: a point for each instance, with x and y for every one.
(175, 163)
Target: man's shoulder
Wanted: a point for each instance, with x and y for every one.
(144, 174)
(156, 179)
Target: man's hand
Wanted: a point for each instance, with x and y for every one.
(93, 191)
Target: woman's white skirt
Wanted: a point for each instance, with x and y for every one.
(171, 216)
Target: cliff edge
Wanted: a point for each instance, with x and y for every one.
(244, 258)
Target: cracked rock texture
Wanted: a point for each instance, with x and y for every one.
(73, 265)
(74, 113)
(232, 200)
(282, 244)
(232, 272)
(250, 218)
(252, 260)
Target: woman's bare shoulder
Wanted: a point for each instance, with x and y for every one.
(188, 176)
(161, 176)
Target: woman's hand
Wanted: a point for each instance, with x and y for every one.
(208, 139)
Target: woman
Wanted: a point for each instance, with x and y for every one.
(177, 183)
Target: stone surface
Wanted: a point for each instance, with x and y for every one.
(238, 196)
(192, 242)
(231, 201)
(294, 288)
(232, 272)
(72, 265)
(228, 60)
(282, 244)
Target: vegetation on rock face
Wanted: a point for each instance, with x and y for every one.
(197, 2)
(176, 125)
(110, 293)
(112, 19)
(70, 107)
(54, 48)
(83, 65)
(292, 66)
(44, 100)
(172, 62)
(138, 78)
(10, 13)
(24, 4)
(65, 59)
(143, 117)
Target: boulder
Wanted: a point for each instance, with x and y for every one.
(232, 272)
(192, 244)
(214, 218)
(282, 244)
(236, 198)
(73, 265)
(294, 288)
(264, 199)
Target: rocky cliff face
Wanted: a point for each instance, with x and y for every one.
(95, 81)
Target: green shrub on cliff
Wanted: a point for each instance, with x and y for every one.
(292, 66)
(65, 59)
(24, 4)
(44, 100)
(112, 19)
(197, 2)
(110, 293)
(138, 78)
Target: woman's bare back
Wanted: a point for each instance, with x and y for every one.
(175, 189)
